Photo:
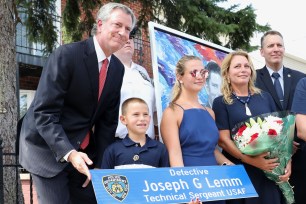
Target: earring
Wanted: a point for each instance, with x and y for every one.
(179, 83)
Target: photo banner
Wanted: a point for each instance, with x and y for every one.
(171, 185)
(167, 47)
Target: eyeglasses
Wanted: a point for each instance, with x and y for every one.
(203, 73)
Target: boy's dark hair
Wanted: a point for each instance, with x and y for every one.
(131, 100)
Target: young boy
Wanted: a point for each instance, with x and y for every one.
(136, 150)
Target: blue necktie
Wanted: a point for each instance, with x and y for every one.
(278, 87)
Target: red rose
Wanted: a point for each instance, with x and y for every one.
(272, 132)
(240, 131)
(253, 137)
(279, 121)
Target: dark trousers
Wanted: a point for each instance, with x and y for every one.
(64, 188)
(298, 175)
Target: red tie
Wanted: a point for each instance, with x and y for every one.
(102, 77)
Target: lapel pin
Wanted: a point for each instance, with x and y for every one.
(135, 157)
(289, 75)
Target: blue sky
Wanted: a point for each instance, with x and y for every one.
(285, 16)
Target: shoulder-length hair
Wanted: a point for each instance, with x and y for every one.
(226, 87)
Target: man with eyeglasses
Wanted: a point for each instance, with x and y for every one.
(136, 83)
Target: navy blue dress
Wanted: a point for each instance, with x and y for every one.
(198, 135)
(227, 116)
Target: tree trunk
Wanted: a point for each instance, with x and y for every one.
(8, 102)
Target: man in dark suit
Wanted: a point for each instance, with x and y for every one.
(272, 49)
(69, 125)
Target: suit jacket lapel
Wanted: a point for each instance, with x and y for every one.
(266, 79)
(287, 86)
(91, 62)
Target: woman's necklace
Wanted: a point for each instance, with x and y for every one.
(245, 102)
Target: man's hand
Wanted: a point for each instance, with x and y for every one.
(80, 161)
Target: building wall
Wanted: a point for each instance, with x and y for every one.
(28, 193)
(289, 60)
(28, 83)
(295, 63)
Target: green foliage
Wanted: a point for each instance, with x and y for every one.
(71, 20)
(245, 21)
(40, 22)
(75, 24)
(206, 20)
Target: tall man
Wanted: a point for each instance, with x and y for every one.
(69, 123)
(280, 82)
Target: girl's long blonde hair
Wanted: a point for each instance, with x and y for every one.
(226, 87)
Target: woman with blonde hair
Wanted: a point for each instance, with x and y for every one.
(241, 100)
(188, 128)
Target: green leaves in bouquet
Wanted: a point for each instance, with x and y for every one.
(253, 122)
(273, 133)
(284, 149)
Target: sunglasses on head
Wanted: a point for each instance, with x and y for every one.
(203, 73)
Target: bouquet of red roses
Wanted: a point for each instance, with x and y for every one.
(271, 132)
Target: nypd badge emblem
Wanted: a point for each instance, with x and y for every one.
(116, 185)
